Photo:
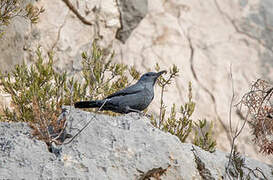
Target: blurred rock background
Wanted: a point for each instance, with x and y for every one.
(205, 39)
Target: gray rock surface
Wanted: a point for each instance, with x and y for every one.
(21, 157)
(124, 147)
(131, 13)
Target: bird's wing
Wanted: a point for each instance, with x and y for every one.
(129, 90)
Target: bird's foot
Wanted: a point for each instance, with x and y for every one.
(148, 115)
(135, 110)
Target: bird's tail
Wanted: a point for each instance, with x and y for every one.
(88, 104)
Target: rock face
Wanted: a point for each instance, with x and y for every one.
(203, 38)
(131, 13)
(125, 147)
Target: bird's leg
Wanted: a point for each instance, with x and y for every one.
(148, 115)
(139, 112)
(135, 110)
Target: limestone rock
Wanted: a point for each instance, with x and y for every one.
(21, 156)
(124, 147)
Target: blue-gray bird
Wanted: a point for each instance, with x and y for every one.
(134, 98)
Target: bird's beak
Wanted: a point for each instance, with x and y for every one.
(161, 72)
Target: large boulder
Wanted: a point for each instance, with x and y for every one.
(124, 147)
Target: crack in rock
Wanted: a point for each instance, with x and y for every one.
(201, 167)
(59, 32)
(192, 51)
(155, 173)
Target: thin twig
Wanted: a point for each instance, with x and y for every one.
(236, 132)
(94, 116)
(63, 128)
(161, 107)
(255, 175)
(163, 85)
(231, 102)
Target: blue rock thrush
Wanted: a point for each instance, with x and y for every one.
(134, 98)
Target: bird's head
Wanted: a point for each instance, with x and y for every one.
(150, 77)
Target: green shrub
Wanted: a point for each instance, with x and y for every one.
(203, 135)
(39, 83)
(36, 96)
(181, 125)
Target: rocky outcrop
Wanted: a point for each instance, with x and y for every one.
(124, 147)
(203, 38)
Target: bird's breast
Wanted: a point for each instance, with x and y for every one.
(148, 95)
